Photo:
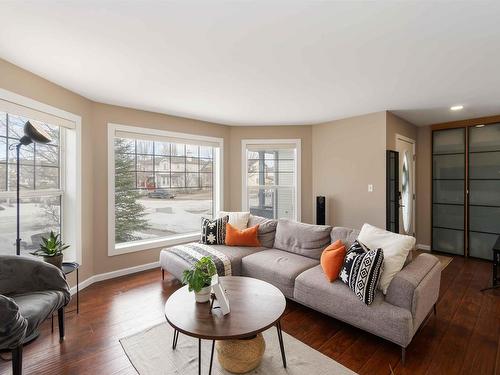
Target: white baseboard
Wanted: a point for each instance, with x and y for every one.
(423, 247)
(111, 275)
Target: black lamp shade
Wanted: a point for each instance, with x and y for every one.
(34, 133)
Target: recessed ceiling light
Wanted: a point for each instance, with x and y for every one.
(480, 126)
(457, 107)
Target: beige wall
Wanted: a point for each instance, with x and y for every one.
(339, 160)
(268, 132)
(424, 185)
(103, 114)
(348, 155)
(95, 117)
(396, 125)
(24, 83)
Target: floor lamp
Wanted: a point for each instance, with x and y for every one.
(36, 134)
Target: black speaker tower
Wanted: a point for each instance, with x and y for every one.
(320, 210)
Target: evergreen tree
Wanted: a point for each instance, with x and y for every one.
(129, 213)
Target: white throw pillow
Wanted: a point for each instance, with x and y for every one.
(395, 247)
(237, 219)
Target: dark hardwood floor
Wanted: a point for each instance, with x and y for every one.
(462, 339)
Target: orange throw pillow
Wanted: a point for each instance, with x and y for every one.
(332, 259)
(245, 237)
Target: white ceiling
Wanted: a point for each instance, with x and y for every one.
(265, 62)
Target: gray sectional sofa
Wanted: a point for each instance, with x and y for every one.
(289, 259)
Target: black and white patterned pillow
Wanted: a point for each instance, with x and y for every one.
(213, 232)
(361, 271)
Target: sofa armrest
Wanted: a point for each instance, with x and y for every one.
(24, 275)
(416, 287)
(12, 325)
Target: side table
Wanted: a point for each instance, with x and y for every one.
(67, 268)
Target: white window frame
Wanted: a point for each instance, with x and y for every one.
(244, 170)
(141, 245)
(70, 168)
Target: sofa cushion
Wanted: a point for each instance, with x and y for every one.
(349, 235)
(361, 271)
(332, 259)
(395, 247)
(176, 265)
(245, 237)
(337, 300)
(267, 229)
(277, 267)
(304, 239)
(38, 306)
(213, 232)
(236, 219)
(346, 235)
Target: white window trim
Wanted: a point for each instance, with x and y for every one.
(71, 215)
(130, 247)
(244, 170)
(413, 161)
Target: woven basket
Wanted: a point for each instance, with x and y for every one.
(240, 356)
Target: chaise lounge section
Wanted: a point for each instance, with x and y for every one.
(289, 260)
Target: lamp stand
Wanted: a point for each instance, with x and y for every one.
(18, 239)
(35, 334)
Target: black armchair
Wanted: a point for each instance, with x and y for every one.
(30, 292)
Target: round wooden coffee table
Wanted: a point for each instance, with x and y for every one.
(255, 306)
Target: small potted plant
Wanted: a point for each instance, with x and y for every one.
(51, 248)
(199, 278)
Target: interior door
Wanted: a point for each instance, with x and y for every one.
(406, 149)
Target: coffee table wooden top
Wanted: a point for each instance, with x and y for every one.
(255, 306)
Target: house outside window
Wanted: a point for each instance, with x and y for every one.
(271, 178)
(49, 200)
(163, 184)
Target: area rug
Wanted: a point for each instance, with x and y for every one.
(443, 259)
(150, 352)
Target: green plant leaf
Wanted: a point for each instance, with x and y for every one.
(51, 245)
(200, 275)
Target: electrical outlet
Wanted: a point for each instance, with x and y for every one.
(370, 188)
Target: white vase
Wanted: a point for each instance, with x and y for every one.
(203, 295)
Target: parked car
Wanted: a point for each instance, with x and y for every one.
(161, 194)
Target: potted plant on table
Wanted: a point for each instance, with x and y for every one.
(199, 278)
(51, 249)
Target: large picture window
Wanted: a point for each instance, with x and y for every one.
(271, 178)
(164, 183)
(47, 190)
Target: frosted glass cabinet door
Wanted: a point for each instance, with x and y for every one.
(480, 245)
(484, 165)
(484, 219)
(449, 166)
(484, 190)
(449, 141)
(448, 191)
(486, 138)
(448, 216)
(448, 241)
